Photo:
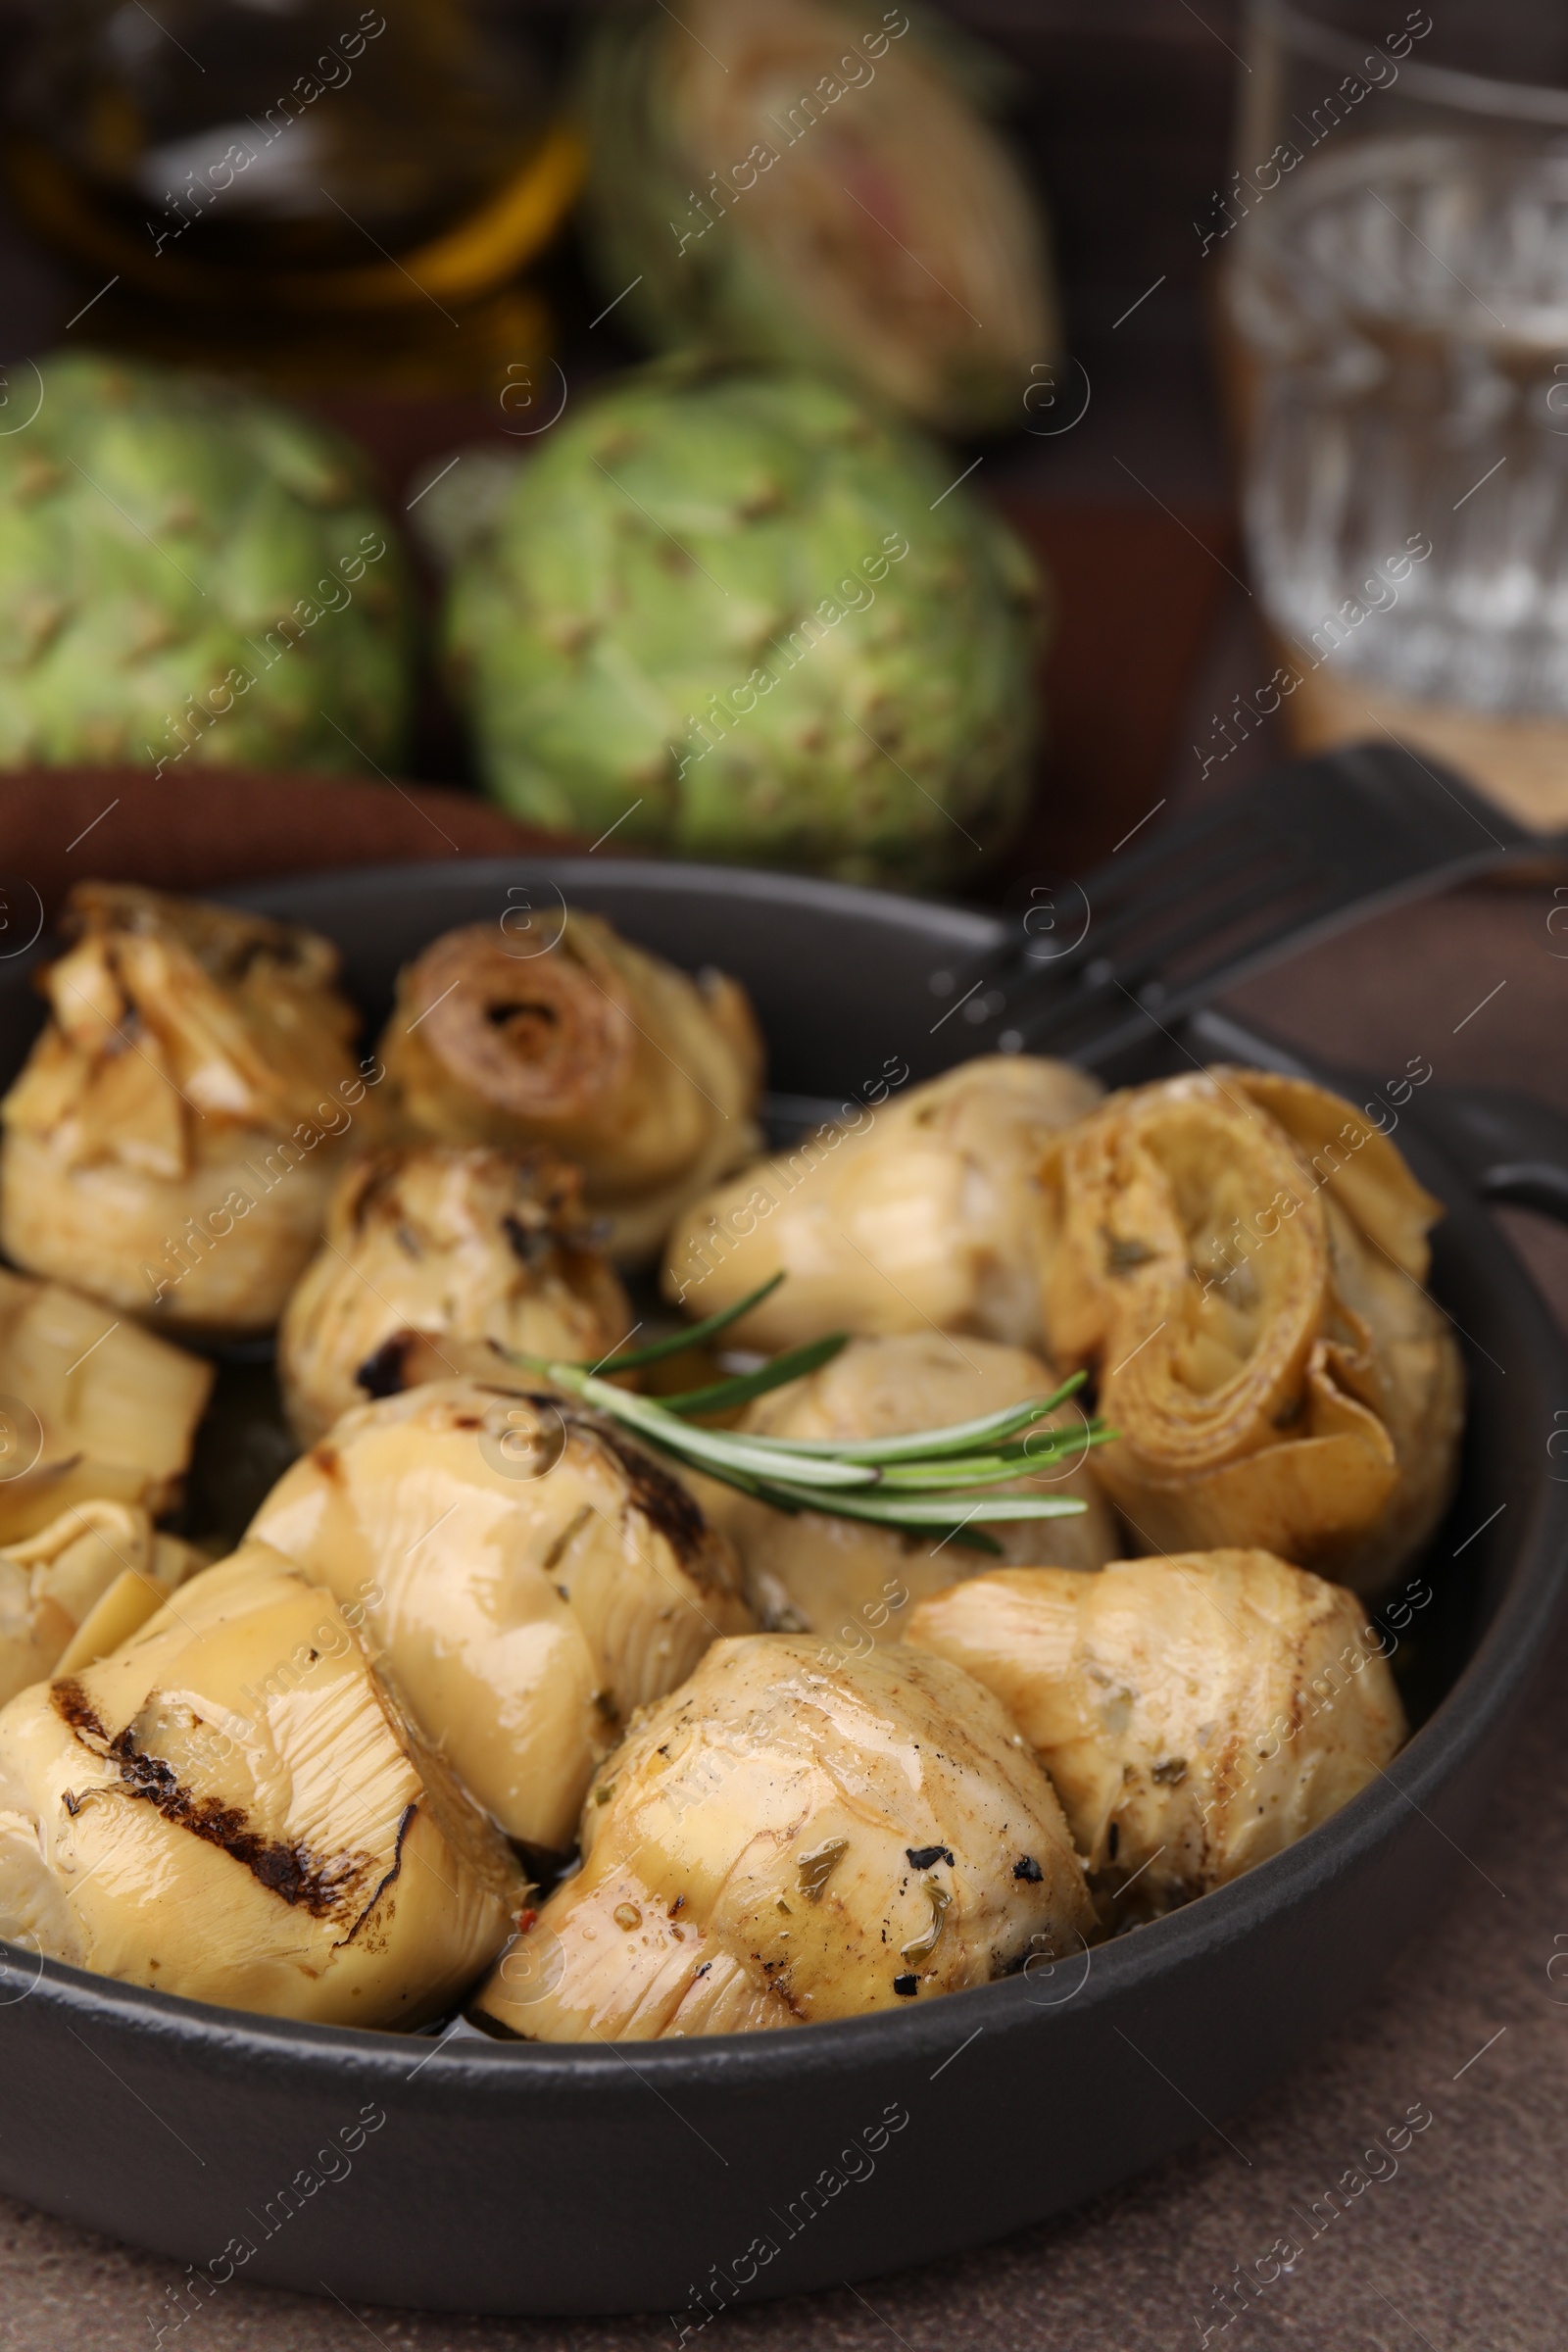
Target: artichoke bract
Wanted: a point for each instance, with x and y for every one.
(78, 1588)
(174, 1135)
(785, 1839)
(798, 180)
(644, 1078)
(926, 1214)
(230, 1808)
(1196, 1713)
(480, 1253)
(92, 1408)
(187, 568)
(528, 1578)
(1241, 1258)
(741, 617)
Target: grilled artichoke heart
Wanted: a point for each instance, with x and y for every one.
(645, 1079)
(229, 1807)
(849, 1580)
(863, 219)
(1195, 1714)
(1242, 1256)
(926, 1213)
(474, 1250)
(90, 1407)
(170, 1141)
(528, 1576)
(80, 1587)
(786, 1839)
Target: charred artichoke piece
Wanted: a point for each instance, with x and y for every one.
(778, 180)
(926, 1213)
(90, 1407)
(852, 1582)
(528, 1578)
(1196, 1713)
(476, 1251)
(645, 1079)
(73, 1592)
(1242, 1256)
(172, 1138)
(785, 1840)
(230, 1808)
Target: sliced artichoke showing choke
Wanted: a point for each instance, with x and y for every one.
(173, 1136)
(230, 1808)
(647, 1080)
(1196, 1713)
(852, 1582)
(925, 1213)
(474, 1251)
(788, 1839)
(528, 1576)
(1240, 1257)
(91, 1408)
(80, 1587)
(779, 180)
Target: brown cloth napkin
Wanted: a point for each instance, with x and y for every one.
(215, 826)
(1460, 2251)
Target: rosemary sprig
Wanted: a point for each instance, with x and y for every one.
(930, 1479)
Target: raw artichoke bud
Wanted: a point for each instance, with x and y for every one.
(188, 571)
(743, 616)
(778, 180)
(472, 1251)
(645, 1079)
(1196, 1713)
(230, 1808)
(1242, 1256)
(527, 1577)
(91, 1408)
(927, 1211)
(174, 1135)
(784, 1840)
(852, 1582)
(80, 1587)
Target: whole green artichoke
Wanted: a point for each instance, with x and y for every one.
(188, 571)
(808, 183)
(742, 616)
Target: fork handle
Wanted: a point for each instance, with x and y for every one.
(1513, 1146)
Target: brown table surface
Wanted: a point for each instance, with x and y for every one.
(1462, 2248)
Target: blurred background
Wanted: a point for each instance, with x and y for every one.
(1205, 358)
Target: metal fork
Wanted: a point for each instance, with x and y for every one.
(1269, 870)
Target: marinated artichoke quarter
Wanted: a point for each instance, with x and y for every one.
(926, 1211)
(173, 1136)
(1196, 1713)
(91, 1408)
(644, 1078)
(852, 1582)
(1240, 1257)
(527, 1575)
(474, 1252)
(231, 1807)
(76, 1590)
(790, 1839)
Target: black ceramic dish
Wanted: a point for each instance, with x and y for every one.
(481, 2176)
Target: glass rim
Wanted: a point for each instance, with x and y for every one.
(1445, 86)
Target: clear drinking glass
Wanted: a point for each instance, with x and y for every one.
(1394, 246)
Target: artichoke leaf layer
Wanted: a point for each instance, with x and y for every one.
(1196, 1713)
(789, 1838)
(228, 1807)
(528, 1576)
(1240, 1258)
